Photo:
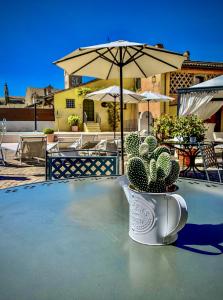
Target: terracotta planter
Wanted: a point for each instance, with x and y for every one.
(50, 138)
(155, 218)
(184, 159)
(74, 128)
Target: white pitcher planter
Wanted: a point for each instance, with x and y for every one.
(155, 218)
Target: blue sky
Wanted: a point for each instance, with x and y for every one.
(35, 33)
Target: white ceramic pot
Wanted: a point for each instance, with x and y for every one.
(155, 218)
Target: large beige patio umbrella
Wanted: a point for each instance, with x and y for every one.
(111, 93)
(154, 97)
(120, 59)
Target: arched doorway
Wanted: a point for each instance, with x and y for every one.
(88, 108)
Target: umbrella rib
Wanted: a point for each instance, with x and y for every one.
(111, 65)
(104, 57)
(156, 58)
(131, 57)
(74, 56)
(114, 56)
(124, 53)
(144, 74)
(87, 63)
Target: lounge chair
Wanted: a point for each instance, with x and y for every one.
(2, 133)
(31, 147)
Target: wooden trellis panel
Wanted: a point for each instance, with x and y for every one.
(79, 166)
(180, 80)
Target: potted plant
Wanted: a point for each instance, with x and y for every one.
(156, 213)
(190, 129)
(164, 127)
(50, 134)
(73, 121)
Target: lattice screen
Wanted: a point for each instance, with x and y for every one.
(185, 80)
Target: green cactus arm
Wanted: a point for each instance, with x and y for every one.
(160, 150)
(132, 142)
(174, 173)
(144, 151)
(163, 165)
(151, 141)
(136, 173)
(152, 170)
(157, 187)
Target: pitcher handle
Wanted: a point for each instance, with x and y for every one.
(183, 214)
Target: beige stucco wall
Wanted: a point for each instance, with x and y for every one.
(62, 113)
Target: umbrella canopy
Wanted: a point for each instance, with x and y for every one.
(120, 59)
(155, 97)
(111, 93)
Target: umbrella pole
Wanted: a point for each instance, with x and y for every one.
(121, 113)
(114, 124)
(148, 119)
(35, 117)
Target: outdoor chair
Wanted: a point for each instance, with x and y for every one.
(69, 142)
(2, 133)
(209, 159)
(32, 148)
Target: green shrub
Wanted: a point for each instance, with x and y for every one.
(48, 131)
(73, 120)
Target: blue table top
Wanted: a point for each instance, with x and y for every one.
(69, 240)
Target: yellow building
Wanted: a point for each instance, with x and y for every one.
(72, 101)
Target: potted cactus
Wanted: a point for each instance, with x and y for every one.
(156, 212)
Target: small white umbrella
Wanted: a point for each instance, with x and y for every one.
(120, 59)
(111, 93)
(154, 97)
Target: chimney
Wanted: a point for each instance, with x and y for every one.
(159, 45)
(187, 54)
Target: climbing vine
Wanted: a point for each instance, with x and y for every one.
(113, 115)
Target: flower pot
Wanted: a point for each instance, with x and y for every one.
(155, 218)
(74, 128)
(50, 138)
(193, 139)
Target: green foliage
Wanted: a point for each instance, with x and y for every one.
(150, 171)
(113, 115)
(167, 127)
(48, 131)
(73, 120)
(164, 127)
(83, 91)
(190, 126)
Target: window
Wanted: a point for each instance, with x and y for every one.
(199, 79)
(138, 83)
(70, 103)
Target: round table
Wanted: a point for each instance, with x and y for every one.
(69, 240)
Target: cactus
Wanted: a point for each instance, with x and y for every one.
(136, 170)
(151, 141)
(150, 168)
(132, 143)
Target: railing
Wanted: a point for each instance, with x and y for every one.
(98, 118)
(85, 117)
(64, 167)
